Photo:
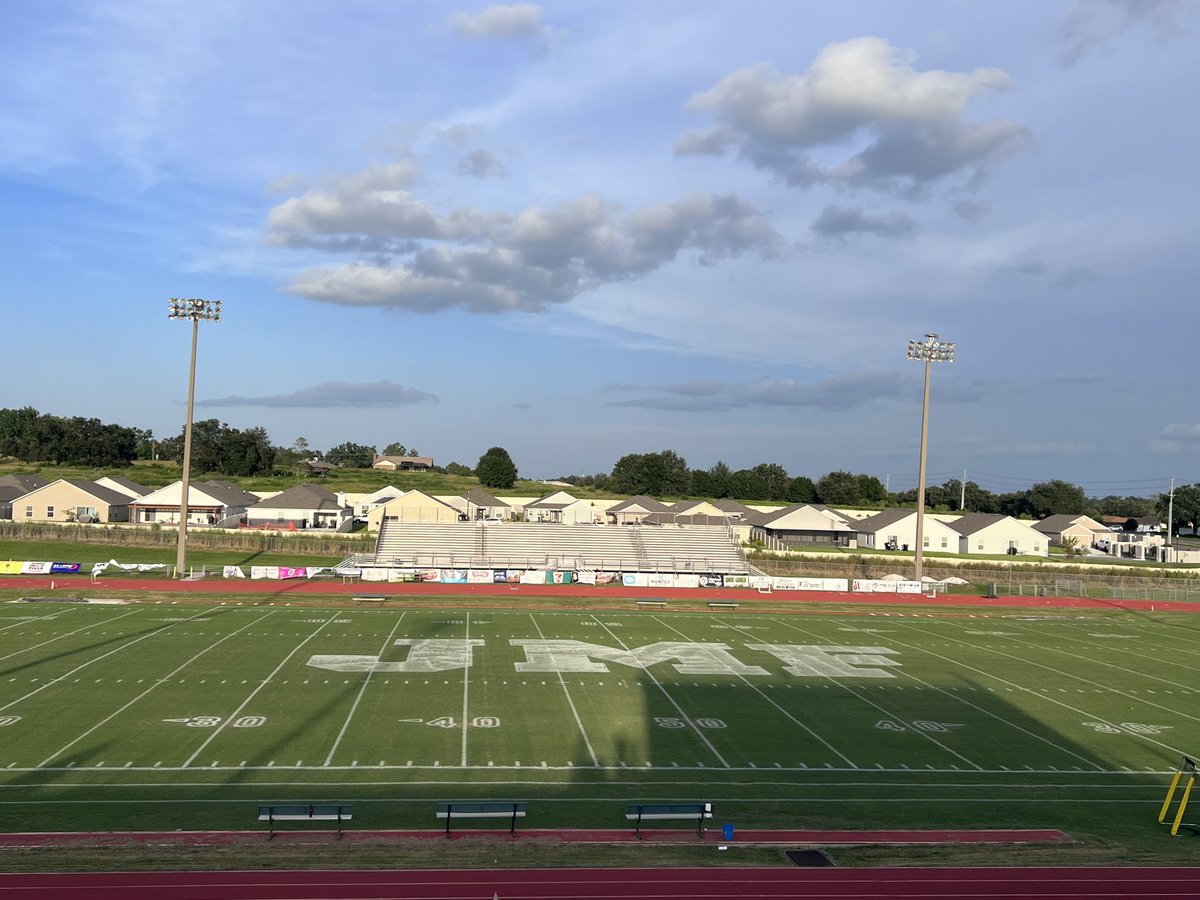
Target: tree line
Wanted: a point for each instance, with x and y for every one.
(666, 474)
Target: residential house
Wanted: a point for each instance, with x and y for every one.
(403, 463)
(13, 486)
(1084, 530)
(896, 529)
(995, 534)
(635, 510)
(804, 524)
(302, 506)
(689, 512)
(479, 504)
(130, 488)
(414, 507)
(72, 500)
(364, 503)
(209, 503)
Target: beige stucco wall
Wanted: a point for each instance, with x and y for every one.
(61, 497)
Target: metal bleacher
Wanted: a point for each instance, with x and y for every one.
(516, 545)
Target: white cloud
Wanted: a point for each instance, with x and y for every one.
(333, 395)
(504, 21)
(841, 221)
(913, 123)
(1092, 25)
(1181, 429)
(494, 262)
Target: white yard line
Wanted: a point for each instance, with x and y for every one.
(1030, 691)
(1122, 647)
(466, 693)
(832, 749)
(366, 681)
(80, 668)
(966, 702)
(574, 712)
(700, 734)
(232, 716)
(1094, 684)
(67, 634)
(24, 621)
(158, 682)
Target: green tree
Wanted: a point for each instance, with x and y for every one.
(801, 490)
(457, 468)
(746, 484)
(837, 489)
(776, 477)
(398, 449)
(657, 474)
(1054, 497)
(351, 456)
(1186, 507)
(496, 469)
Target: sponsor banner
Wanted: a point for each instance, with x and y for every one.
(754, 581)
(809, 584)
(605, 577)
(712, 579)
(909, 587)
(633, 579)
(36, 568)
(687, 581)
(395, 576)
(9, 567)
(479, 576)
(314, 571)
(260, 572)
(453, 576)
(534, 576)
(64, 568)
(736, 581)
(232, 572)
(370, 574)
(588, 577)
(873, 586)
(558, 577)
(499, 576)
(660, 579)
(286, 572)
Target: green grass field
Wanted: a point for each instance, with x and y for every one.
(163, 716)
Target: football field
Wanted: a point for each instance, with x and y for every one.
(162, 715)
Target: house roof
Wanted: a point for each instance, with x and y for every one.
(1059, 523)
(973, 522)
(25, 482)
(400, 460)
(229, 494)
(302, 496)
(835, 518)
(99, 491)
(480, 497)
(732, 507)
(883, 519)
(139, 489)
(641, 501)
(544, 501)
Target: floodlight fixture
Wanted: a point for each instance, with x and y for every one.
(929, 349)
(194, 310)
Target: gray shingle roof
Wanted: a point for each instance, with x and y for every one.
(302, 496)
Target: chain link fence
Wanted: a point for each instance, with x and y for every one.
(1003, 579)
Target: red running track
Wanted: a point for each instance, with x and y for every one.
(616, 884)
(80, 585)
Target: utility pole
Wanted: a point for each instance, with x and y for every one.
(962, 496)
(1170, 512)
(928, 350)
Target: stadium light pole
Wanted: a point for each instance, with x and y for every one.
(930, 349)
(195, 310)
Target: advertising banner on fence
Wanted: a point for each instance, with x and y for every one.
(886, 586)
(809, 584)
(64, 568)
(736, 581)
(399, 576)
(758, 582)
(534, 576)
(232, 572)
(559, 576)
(633, 579)
(479, 576)
(687, 581)
(10, 567)
(499, 576)
(36, 568)
(660, 579)
(588, 577)
(286, 572)
(370, 574)
(259, 572)
(712, 579)
(453, 576)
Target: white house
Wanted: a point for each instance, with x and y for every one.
(302, 506)
(131, 489)
(364, 503)
(994, 534)
(896, 529)
(805, 524)
(209, 503)
(414, 507)
(635, 510)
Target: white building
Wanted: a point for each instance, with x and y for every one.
(997, 535)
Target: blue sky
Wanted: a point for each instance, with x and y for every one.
(580, 230)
